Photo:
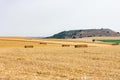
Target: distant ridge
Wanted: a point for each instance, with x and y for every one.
(86, 33)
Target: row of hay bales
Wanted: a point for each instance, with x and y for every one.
(76, 46)
(32, 46)
(63, 45)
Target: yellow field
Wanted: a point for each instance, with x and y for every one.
(51, 61)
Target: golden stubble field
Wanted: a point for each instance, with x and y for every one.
(51, 61)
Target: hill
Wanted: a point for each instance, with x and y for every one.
(86, 33)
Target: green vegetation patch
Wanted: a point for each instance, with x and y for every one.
(111, 41)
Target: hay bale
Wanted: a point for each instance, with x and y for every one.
(81, 45)
(28, 46)
(43, 43)
(65, 45)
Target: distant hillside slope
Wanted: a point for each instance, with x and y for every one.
(86, 33)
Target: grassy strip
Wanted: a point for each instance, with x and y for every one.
(112, 41)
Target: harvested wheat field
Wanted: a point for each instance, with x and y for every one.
(46, 59)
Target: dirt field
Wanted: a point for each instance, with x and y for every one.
(48, 60)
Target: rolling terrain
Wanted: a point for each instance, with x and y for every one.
(86, 33)
(47, 59)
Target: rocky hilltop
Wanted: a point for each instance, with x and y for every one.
(86, 33)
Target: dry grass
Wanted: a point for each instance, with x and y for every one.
(52, 62)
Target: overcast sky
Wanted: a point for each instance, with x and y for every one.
(47, 17)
